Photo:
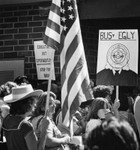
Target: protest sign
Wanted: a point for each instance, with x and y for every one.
(117, 62)
(44, 58)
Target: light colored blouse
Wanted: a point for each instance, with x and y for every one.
(91, 124)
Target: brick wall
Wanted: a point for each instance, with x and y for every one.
(21, 25)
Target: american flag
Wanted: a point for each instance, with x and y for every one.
(63, 33)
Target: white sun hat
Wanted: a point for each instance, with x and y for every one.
(21, 92)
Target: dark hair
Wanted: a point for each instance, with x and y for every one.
(21, 79)
(6, 88)
(102, 91)
(22, 106)
(41, 103)
(112, 135)
(97, 104)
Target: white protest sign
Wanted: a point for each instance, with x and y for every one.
(44, 58)
(117, 54)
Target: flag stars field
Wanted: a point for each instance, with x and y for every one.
(65, 28)
(63, 19)
(67, 14)
(71, 16)
(63, 10)
(70, 8)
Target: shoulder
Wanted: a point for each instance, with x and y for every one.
(36, 121)
(25, 127)
(93, 123)
(11, 122)
(25, 123)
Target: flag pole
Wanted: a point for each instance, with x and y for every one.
(71, 127)
(47, 101)
(48, 95)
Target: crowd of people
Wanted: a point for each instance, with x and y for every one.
(29, 119)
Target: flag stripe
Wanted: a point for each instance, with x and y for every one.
(63, 32)
(68, 40)
(51, 42)
(73, 87)
(70, 52)
(69, 67)
(54, 26)
(54, 17)
(55, 7)
(53, 34)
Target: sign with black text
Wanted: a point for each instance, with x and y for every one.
(117, 57)
(44, 58)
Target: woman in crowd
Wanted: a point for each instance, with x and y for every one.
(106, 92)
(21, 80)
(54, 138)
(100, 109)
(18, 130)
(112, 134)
(128, 115)
(81, 116)
(103, 91)
(5, 89)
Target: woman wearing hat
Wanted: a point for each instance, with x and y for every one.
(54, 138)
(18, 130)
